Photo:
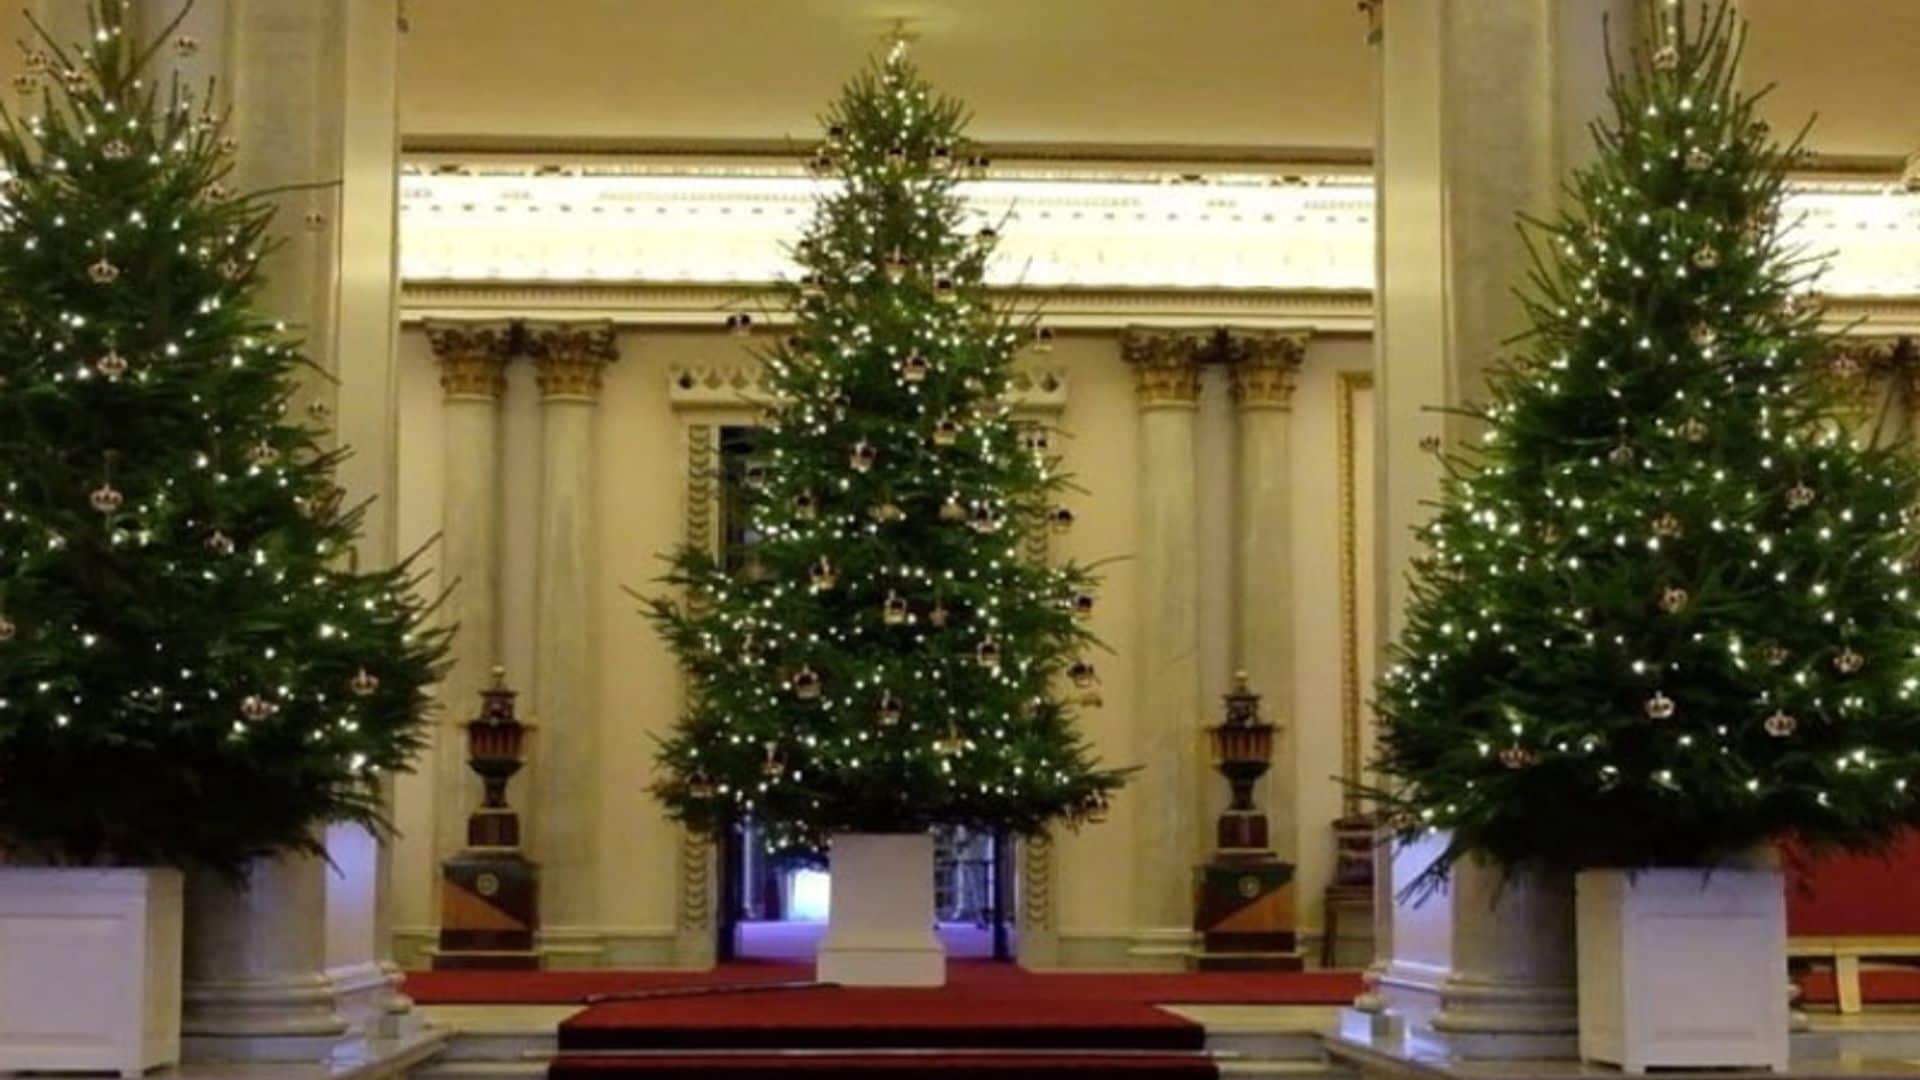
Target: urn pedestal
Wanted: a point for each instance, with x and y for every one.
(1244, 896)
(490, 892)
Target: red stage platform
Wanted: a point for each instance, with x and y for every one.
(990, 1021)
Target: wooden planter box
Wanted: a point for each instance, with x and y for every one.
(1682, 968)
(880, 920)
(89, 970)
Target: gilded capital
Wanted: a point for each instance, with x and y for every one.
(1261, 365)
(472, 356)
(569, 357)
(1166, 365)
(1865, 363)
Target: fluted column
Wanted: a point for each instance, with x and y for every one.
(566, 754)
(472, 358)
(1167, 712)
(1263, 366)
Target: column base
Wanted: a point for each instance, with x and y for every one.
(1167, 949)
(274, 1020)
(1463, 1018)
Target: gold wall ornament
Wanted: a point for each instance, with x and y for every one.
(1371, 11)
(1262, 365)
(569, 356)
(472, 356)
(1166, 365)
(1352, 760)
(1036, 893)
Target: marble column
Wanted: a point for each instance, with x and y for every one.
(472, 358)
(1262, 368)
(566, 775)
(1482, 109)
(1167, 712)
(280, 968)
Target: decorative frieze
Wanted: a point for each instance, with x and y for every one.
(741, 383)
(569, 356)
(472, 356)
(1262, 365)
(1166, 365)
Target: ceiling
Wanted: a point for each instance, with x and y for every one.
(1232, 73)
(1262, 77)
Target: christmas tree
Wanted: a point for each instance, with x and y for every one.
(1666, 610)
(191, 672)
(886, 657)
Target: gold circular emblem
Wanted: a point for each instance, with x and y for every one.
(1249, 887)
(487, 885)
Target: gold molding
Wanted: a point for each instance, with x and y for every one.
(472, 355)
(695, 907)
(570, 356)
(1166, 365)
(1352, 764)
(1036, 894)
(1262, 364)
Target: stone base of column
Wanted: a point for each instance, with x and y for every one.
(1165, 949)
(1422, 1013)
(367, 996)
(284, 1019)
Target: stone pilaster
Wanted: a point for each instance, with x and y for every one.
(1167, 717)
(472, 358)
(566, 777)
(1261, 370)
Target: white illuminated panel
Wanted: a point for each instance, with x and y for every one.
(1217, 233)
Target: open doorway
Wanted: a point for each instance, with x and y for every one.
(775, 907)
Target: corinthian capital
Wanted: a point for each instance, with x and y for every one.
(472, 356)
(569, 357)
(1166, 365)
(1261, 365)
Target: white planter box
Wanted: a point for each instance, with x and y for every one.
(89, 970)
(1683, 969)
(880, 921)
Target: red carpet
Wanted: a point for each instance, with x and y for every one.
(884, 1067)
(1198, 988)
(991, 1021)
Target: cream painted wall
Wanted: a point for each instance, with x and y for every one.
(641, 513)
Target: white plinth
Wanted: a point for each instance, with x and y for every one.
(89, 970)
(880, 926)
(1682, 969)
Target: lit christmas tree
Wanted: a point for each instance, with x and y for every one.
(885, 657)
(190, 670)
(1667, 610)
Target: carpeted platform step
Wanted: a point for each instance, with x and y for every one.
(985, 1066)
(860, 1019)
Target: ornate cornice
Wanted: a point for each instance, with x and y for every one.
(472, 356)
(569, 357)
(1261, 365)
(1166, 365)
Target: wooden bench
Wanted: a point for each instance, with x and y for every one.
(1850, 908)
